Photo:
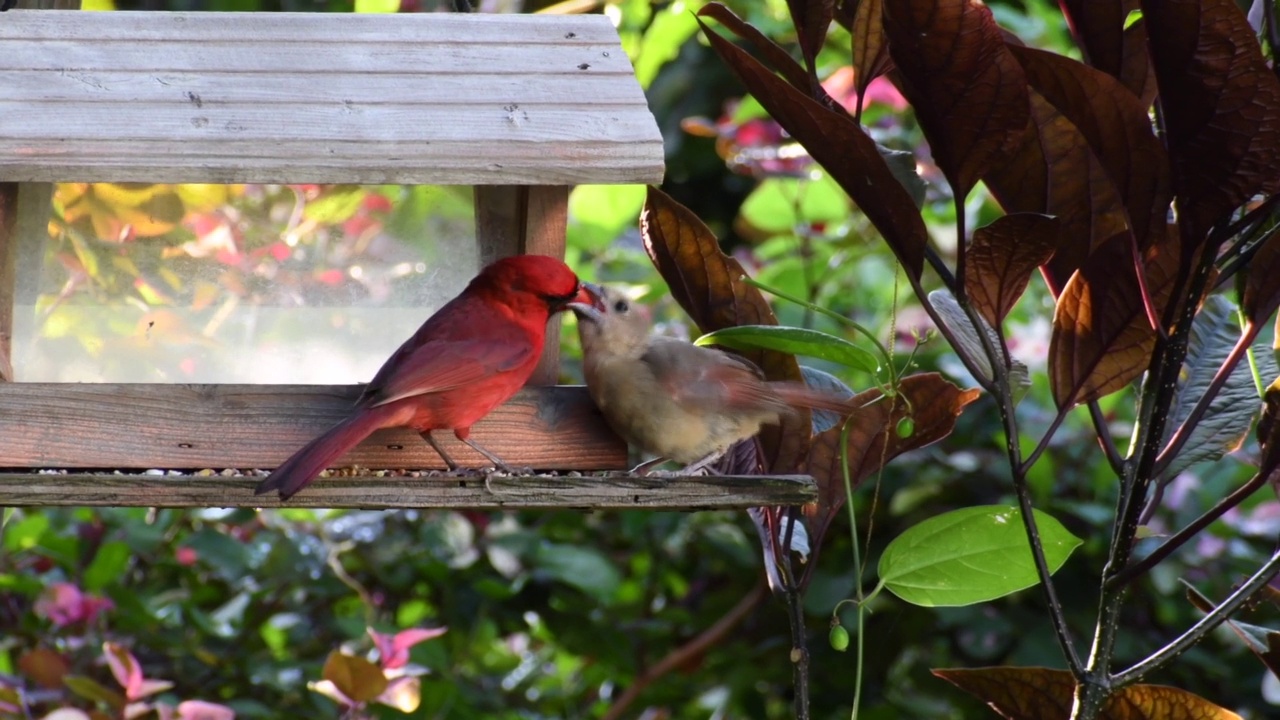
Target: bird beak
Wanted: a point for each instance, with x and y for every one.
(589, 303)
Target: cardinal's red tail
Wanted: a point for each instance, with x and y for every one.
(299, 470)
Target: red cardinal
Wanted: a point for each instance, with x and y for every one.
(465, 360)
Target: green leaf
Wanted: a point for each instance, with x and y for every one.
(969, 556)
(599, 214)
(25, 534)
(336, 205)
(582, 567)
(793, 340)
(5, 514)
(1226, 423)
(778, 205)
(377, 6)
(670, 29)
(90, 689)
(108, 565)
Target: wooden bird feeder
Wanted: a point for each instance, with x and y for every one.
(520, 107)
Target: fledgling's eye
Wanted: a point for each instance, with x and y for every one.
(620, 306)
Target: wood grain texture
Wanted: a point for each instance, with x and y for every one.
(546, 221)
(8, 274)
(121, 426)
(365, 491)
(308, 97)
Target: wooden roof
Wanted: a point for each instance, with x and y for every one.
(307, 97)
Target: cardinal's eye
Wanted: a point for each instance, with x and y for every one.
(620, 306)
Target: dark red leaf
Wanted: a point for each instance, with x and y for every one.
(708, 285)
(1033, 693)
(839, 144)
(968, 91)
(778, 59)
(1117, 128)
(1002, 257)
(1221, 107)
(870, 51)
(1101, 338)
(1053, 171)
(1098, 27)
(933, 404)
(811, 18)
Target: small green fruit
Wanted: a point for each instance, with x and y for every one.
(906, 427)
(839, 638)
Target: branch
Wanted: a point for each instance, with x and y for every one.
(1183, 433)
(1206, 625)
(1044, 441)
(686, 653)
(1104, 437)
(1180, 538)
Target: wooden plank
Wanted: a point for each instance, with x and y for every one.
(277, 28)
(119, 426)
(198, 97)
(546, 220)
(486, 87)
(608, 492)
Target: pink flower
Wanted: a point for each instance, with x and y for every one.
(394, 649)
(124, 666)
(185, 556)
(63, 604)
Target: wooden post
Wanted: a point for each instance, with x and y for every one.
(8, 261)
(525, 220)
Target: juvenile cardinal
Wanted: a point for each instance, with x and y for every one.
(468, 358)
(672, 398)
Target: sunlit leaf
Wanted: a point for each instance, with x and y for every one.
(337, 204)
(403, 694)
(1002, 257)
(840, 145)
(967, 90)
(1226, 423)
(354, 677)
(778, 206)
(1053, 171)
(970, 555)
(1101, 337)
(932, 402)
(1116, 126)
(1220, 103)
(377, 6)
(1029, 693)
(601, 213)
(793, 340)
(870, 51)
(709, 286)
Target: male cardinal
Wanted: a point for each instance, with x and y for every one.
(466, 359)
(675, 399)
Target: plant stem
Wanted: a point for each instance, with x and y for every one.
(1178, 539)
(1197, 632)
(1104, 437)
(857, 559)
(799, 649)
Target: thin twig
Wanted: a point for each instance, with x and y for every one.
(1104, 436)
(1183, 433)
(1196, 632)
(1178, 539)
(684, 654)
(1044, 441)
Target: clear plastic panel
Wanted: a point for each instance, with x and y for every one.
(235, 284)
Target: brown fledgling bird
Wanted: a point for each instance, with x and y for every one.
(672, 398)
